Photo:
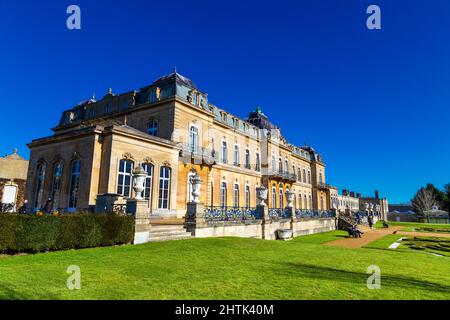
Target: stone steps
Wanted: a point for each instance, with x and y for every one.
(168, 232)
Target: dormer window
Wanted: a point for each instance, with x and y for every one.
(152, 128)
(107, 108)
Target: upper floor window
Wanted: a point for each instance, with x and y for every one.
(274, 166)
(257, 163)
(75, 169)
(280, 166)
(164, 187)
(309, 176)
(107, 107)
(304, 175)
(286, 165)
(193, 139)
(224, 152)
(299, 174)
(247, 158)
(320, 177)
(124, 178)
(236, 155)
(152, 128)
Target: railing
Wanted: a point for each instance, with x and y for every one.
(300, 213)
(279, 213)
(197, 152)
(284, 175)
(230, 214)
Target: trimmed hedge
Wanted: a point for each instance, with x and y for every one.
(32, 233)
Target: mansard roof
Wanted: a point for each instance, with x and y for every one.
(174, 77)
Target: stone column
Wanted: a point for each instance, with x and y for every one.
(195, 216)
(263, 212)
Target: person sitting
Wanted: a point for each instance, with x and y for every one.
(351, 232)
(385, 224)
(357, 232)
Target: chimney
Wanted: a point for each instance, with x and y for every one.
(377, 194)
(352, 194)
(358, 195)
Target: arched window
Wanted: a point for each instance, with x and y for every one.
(148, 167)
(223, 194)
(274, 166)
(306, 201)
(257, 163)
(152, 128)
(310, 202)
(224, 152)
(320, 177)
(280, 197)
(164, 187)
(321, 203)
(274, 197)
(280, 166)
(236, 195)
(293, 169)
(300, 204)
(247, 158)
(56, 181)
(247, 196)
(236, 155)
(124, 178)
(212, 193)
(193, 139)
(286, 165)
(299, 174)
(40, 175)
(309, 176)
(304, 175)
(74, 184)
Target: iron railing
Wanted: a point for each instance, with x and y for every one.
(197, 152)
(300, 213)
(230, 214)
(279, 213)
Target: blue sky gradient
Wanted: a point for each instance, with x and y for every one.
(374, 103)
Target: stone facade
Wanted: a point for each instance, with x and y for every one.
(175, 133)
(13, 173)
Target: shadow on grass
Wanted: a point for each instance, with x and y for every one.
(357, 278)
(6, 293)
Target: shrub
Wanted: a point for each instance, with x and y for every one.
(32, 233)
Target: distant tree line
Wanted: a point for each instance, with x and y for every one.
(429, 196)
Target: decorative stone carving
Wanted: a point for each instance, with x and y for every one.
(196, 183)
(127, 156)
(139, 175)
(290, 195)
(261, 194)
(166, 163)
(158, 93)
(148, 160)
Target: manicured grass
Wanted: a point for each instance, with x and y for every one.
(227, 268)
(411, 225)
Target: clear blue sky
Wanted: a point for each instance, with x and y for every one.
(376, 104)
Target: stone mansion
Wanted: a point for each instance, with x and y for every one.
(171, 129)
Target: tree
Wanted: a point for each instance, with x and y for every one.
(424, 200)
(439, 196)
(446, 204)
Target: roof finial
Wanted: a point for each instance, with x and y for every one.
(15, 150)
(93, 96)
(110, 91)
(175, 69)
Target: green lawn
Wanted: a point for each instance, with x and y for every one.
(411, 225)
(227, 268)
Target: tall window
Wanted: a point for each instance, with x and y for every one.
(148, 167)
(56, 182)
(74, 184)
(124, 178)
(236, 195)
(321, 203)
(257, 163)
(293, 169)
(286, 165)
(223, 194)
(164, 187)
(274, 166)
(212, 193)
(236, 155)
(152, 128)
(299, 174)
(310, 202)
(274, 197)
(224, 152)
(300, 204)
(304, 175)
(320, 177)
(280, 197)
(280, 166)
(40, 175)
(309, 176)
(306, 201)
(247, 158)
(193, 138)
(247, 196)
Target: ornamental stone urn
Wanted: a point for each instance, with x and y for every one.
(290, 195)
(284, 234)
(196, 183)
(261, 194)
(139, 175)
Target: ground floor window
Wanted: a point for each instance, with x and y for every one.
(164, 188)
(247, 196)
(223, 194)
(124, 178)
(148, 167)
(236, 195)
(74, 184)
